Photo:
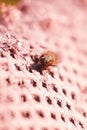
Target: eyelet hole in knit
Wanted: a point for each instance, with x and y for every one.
(53, 116)
(23, 98)
(36, 98)
(59, 103)
(64, 91)
(49, 101)
(62, 118)
(40, 114)
(26, 114)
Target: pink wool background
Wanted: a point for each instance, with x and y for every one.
(55, 99)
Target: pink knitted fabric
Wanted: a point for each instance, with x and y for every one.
(55, 99)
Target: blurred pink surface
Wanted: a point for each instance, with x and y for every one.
(55, 99)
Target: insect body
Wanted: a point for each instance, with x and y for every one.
(45, 61)
(49, 59)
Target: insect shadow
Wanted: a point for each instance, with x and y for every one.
(37, 65)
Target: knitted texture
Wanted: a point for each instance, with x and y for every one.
(55, 99)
